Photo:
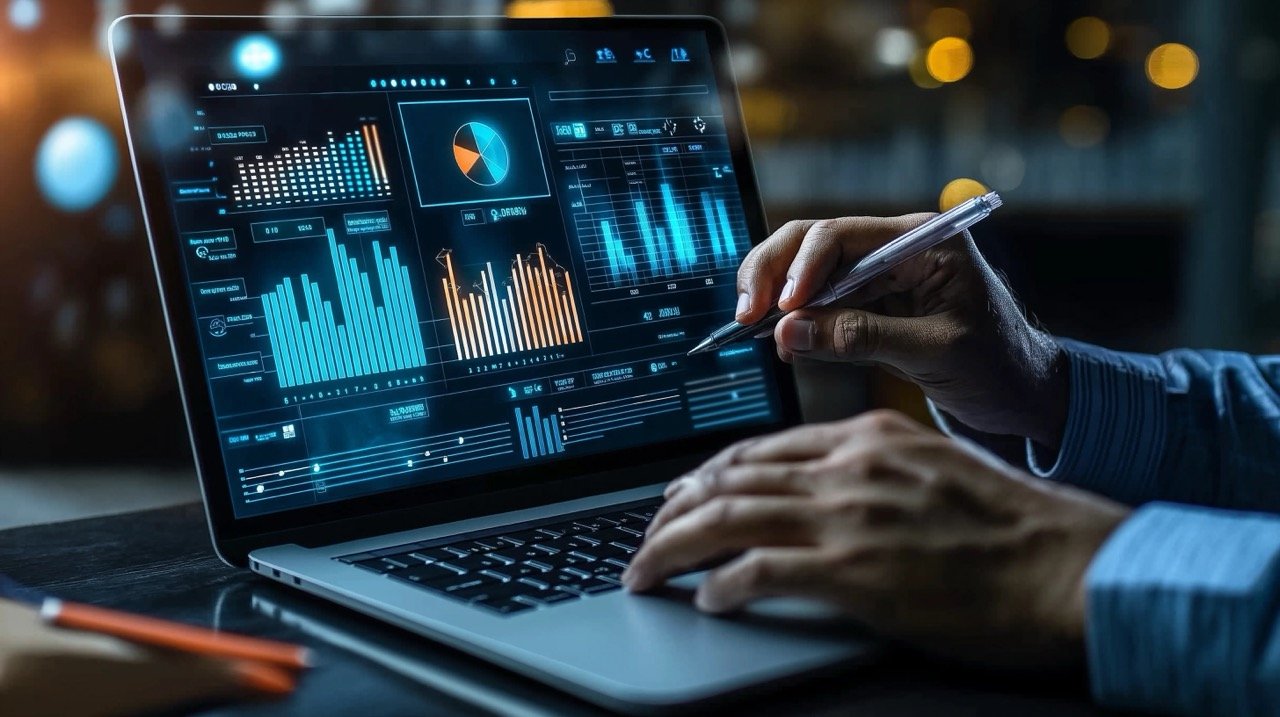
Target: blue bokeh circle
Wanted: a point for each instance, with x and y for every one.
(76, 163)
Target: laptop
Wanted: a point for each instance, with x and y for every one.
(430, 284)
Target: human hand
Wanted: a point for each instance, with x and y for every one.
(916, 535)
(943, 320)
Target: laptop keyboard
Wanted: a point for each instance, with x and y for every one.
(522, 567)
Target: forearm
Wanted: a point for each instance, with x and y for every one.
(1182, 613)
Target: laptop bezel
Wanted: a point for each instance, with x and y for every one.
(432, 503)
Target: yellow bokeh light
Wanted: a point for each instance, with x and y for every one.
(947, 22)
(960, 190)
(949, 59)
(1172, 66)
(559, 8)
(1088, 37)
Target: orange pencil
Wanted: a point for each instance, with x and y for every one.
(173, 635)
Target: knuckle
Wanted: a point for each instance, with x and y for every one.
(880, 420)
(852, 335)
(791, 228)
(719, 512)
(755, 571)
(713, 481)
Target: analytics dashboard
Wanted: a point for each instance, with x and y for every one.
(419, 256)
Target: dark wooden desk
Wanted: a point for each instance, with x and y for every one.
(160, 562)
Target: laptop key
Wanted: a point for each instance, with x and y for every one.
(382, 565)
(619, 535)
(629, 520)
(534, 583)
(475, 563)
(429, 575)
(597, 586)
(551, 597)
(503, 606)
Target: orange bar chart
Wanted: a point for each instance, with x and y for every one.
(533, 308)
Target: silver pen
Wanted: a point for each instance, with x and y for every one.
(927, 235)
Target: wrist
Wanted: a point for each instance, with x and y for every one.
(1049, 397)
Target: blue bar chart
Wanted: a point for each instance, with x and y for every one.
(311, 346)
(679, 245)
(539, 435)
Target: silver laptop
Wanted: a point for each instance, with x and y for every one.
(429, 284)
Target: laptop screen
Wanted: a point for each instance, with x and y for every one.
(423, 256)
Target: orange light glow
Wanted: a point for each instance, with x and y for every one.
(559, 8)
(949, 59)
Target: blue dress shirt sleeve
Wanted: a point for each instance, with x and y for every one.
(1183, 602)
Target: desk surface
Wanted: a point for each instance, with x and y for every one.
(160, 562)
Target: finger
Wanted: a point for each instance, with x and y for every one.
(726, 456)
(764, 572)
(766, 479)
(831, 243)
(832, 334)
(761, 275)
(800, 443)
(717, 527)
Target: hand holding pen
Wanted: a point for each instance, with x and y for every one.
(817, 257)
(942, 318)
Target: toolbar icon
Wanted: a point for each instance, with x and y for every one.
(570, 56)
(604, 54)
(679, 54)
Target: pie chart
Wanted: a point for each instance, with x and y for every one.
(481, 154)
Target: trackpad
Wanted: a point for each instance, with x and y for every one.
(795, 610)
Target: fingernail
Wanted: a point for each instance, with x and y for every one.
(744, 303)
(797, 335)
(787, 290)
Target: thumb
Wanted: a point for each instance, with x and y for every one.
(837, 334)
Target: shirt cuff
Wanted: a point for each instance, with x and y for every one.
(1115, 431)
(1180, 612)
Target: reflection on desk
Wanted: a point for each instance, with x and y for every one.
(160, 562)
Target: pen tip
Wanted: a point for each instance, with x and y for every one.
(701, 348)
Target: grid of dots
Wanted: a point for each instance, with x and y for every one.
(337, 170)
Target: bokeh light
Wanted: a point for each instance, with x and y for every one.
(947, 22)
(894, 46)
(960, 190)
(949, 59)
(1088, 37)
(257, 56)
(24, 14)
(1172, 66)
(76, 163)
(559, 8)
(1084, 126)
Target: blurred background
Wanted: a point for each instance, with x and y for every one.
(1131, 139)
